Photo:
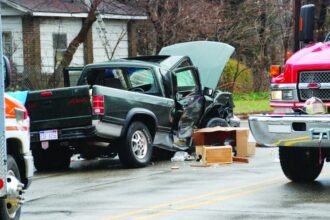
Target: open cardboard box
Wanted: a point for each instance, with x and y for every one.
(217, 135)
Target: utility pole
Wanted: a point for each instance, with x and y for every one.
(296, 12)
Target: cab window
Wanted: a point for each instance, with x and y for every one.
(142, 80)
(185, 81)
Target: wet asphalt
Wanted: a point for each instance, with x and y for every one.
(103, 189)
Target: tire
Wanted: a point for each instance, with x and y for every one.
(216, 121)
(301, 164)
(13, 213)
(51, 159)
(136, 149)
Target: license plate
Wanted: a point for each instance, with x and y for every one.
(279, 128)
(48, 135)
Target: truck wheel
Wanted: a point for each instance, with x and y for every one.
(51, 159)
(301, 164)
(10, 207)
(136, 148)
(216, 121)
(62, 159)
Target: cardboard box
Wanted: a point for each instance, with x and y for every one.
(217, 135)
(251, 148)
(251, 145)
(214, 155)
(242, 142)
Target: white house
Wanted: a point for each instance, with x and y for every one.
(35, 32)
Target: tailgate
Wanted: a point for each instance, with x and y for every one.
(59, 108)
(299, 130)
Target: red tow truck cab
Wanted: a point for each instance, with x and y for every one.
(306, 73)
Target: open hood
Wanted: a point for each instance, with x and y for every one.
(208, 56)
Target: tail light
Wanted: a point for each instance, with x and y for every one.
(98, 105)
(2, 183)
(25, 114)
(275, 70)
(46, 93)
(21, 114)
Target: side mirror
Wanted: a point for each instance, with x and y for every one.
(208, 91)
(6, 71)
(306, 23)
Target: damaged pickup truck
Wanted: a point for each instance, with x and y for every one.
(128, 106)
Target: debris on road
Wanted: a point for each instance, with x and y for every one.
(222, 145)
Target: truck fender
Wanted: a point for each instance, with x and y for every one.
(143, 115)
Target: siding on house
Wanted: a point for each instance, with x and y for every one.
(32, 24)
(9, 11)
(116, 34)
(14, 25)
(50, 26)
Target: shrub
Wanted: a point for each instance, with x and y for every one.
(236, 78)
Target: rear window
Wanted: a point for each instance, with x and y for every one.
(136, 79)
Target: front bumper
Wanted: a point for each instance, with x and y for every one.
(234, 121)
(291, 130)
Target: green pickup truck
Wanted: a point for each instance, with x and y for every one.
(128, 106)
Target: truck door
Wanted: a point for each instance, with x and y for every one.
(71, 76)
(188, 102)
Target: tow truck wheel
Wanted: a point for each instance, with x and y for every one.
(301, 164)
(10, 207)
(136, 149)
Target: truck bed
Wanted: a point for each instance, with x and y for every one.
(291, 130)
(59, 108)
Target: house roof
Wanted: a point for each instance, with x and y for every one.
(75, 8)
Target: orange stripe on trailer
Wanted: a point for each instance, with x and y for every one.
(16, 128)
(11, 104)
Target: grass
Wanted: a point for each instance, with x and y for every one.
(251, 103)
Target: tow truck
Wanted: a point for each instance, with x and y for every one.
(302, 132)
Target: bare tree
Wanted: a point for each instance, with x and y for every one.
(55, 80)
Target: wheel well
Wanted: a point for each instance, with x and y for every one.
(147, 121)
(214, 112)
(14, 148)
(211, 114)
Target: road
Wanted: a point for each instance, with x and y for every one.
(103, 190)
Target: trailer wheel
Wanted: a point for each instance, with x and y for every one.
(216, 121)
(10, 207)
(51, 159)
(301, 164)
(136, 148)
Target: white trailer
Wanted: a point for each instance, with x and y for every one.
(16, 162)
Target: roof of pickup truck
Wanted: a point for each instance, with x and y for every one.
(164, 62)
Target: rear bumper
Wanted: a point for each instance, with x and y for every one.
(67, 134)
(29, 168)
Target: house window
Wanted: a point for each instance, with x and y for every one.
(59, 41)
(7, 41)
(59, 45)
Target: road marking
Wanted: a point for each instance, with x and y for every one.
(259, 186)
(209, 201)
